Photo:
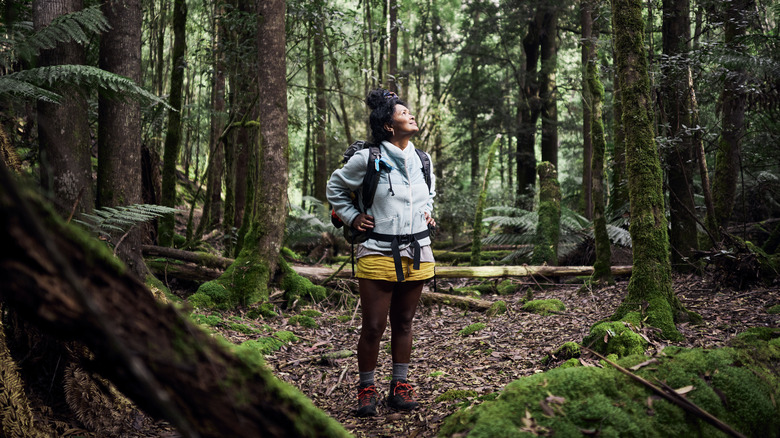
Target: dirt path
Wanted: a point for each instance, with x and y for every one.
(511, 346)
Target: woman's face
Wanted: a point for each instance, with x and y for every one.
(403, 123)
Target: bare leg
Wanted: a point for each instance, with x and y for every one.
(402, 309)
(375, 297)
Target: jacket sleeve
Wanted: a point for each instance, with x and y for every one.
(432, 192)
(345, 180)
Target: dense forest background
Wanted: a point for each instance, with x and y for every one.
(562, 133)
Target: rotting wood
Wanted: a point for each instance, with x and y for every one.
(429, 298)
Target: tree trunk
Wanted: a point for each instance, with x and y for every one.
(63, 129)
(676, 110)
(586, 22)
(476, 240)
(650, 288)
(732, 102)
(549, 223)
(392, 52)
(69, 285)
(340, 90)
(173, 134)
(321, 105)
(618, 199)
(601, 268)
(548, 41)
(528, 114)
(119, 125)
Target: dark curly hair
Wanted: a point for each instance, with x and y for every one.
(382, 103)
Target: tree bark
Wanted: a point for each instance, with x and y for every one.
(676, 110)
(548, 40)
(601, 270)
(549, 222)
(528, 114)
(586, 23)
(69, 285)
(173, 133)
(321, 108)
(392, 52)
(732, 115)
(63, 129)
(650, 288)
(119, 125)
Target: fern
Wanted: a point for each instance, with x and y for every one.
(83, 77)
(77, 27)
(304, 228)
(108, 222)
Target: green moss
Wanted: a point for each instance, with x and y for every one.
(544, 307)
(200, 300)
(774, 310)
(573, 362)
(497, 308)
(609, 402)
(507, 287)
(297, 288)
(153, 282)
(286, 336)
(210, 320)
(471, 329)
(241, 328)
(548, 226)
(311, 313)
(344, 318)
(436, 374)
(621, 340)
(456, 394)
(303, 321)
(568, 350)
(263, 345)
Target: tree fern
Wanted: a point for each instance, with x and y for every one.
(304, 228)
(111, 223)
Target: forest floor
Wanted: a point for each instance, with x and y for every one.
(511, 346)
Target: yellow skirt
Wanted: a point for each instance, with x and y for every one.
(378, 267)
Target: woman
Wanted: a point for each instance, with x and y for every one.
(395, 261)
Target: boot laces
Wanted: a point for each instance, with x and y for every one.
(404, 390)
(366, 395)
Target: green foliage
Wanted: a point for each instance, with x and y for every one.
(472, 328)
(286, 336)
(615, 337)
(303, 321)
(456, 394)
(110, 222)
(311, 313)
(207, 320)
(263, 345)
(774, 310)
(264, 310)
(304, 229)
(544, 307)
(497, 308)
(568, 400)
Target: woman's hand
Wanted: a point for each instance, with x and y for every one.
(363, 222)
(430, 220)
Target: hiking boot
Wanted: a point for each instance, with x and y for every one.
(367, 401)
(401, 396)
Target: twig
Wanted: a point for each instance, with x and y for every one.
(335, 273)
(357, 306)
(341, 377)
(671, 395)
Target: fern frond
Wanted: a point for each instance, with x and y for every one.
(10, 87)
(77, 26)
(109, 220)
(84, 77)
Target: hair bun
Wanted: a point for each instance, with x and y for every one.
(377, 98)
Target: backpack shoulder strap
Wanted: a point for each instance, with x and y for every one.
(426, 166)
(371, 179)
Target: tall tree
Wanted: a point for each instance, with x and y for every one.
(548, 41)
(173, 134)
(528, 114)
(650, 288)
(63, 129)
(586, 24)
(677, 110)
(732, 103)
(602, 271)
(392, 52)
(119, 124)
(321, 108)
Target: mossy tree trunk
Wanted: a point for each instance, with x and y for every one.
(549, 223)
(618, 196)
(601, 268)
(69, 285)
(548, 40)
(476, 240)
(173, 133)
(586, 24)
(650, 288)
(676, 123)
(732, 114)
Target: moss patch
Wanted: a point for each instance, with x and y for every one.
(303, 321)
(471, 329)
(456, 394)
(544, 307)
(620, 339)
(567, 401)
(497, 308)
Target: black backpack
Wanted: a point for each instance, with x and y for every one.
(368, 188)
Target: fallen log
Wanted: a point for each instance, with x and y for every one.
(200, 258)
(475, 304)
